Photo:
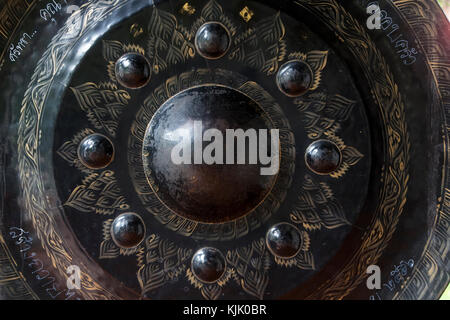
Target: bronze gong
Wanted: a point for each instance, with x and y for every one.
(207, 149)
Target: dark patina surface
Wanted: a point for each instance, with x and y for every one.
(86, 175)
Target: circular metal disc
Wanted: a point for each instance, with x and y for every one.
(211, 149)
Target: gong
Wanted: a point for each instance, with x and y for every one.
(209, 149)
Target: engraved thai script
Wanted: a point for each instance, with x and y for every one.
(50, 10)
(24, 241)
(397, 277)
(407, 54)
(15, 50)
(47, 13)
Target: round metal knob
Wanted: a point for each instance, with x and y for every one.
(96, 151)
(128, 230)
(179, 167)
(212, 40)
(133, 70)
(208, 264)
(294, 78)
(284, 240)
(323, 157)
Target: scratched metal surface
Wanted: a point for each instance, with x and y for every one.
(41, 237)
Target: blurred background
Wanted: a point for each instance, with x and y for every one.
(446, 6)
